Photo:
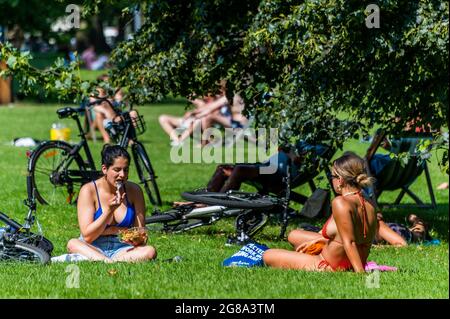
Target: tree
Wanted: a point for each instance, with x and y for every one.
(318, 58)
(331, 75)
(30, 15)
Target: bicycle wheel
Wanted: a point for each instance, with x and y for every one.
(37, 241)
(146, 174)
(50, 167)
(162, 218)
(160, 222)
(232, 200)
(173, 222)
(25, 253)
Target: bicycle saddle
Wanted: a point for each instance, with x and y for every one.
(66, 112)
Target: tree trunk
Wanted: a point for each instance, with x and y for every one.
(97, 38)
(5, 87)
(121, 29)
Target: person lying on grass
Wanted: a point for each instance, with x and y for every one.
(401, 235)
(347, 236)
(108, 206)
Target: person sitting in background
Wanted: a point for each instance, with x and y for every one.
(106, 111)
(221, 112)
(103, 111)
(231, 176)
(413, 136)
(108, 206)
(209, 111)
(180, 128)
(347, 236)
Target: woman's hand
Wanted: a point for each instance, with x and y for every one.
(302, 248)
(201, 112)
(115, 202)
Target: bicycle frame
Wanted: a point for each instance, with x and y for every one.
(83, 144)
(181, 216)
(249, 220)
(85, 170)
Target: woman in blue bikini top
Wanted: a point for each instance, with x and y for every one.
(107, 206)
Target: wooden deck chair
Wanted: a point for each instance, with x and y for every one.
(305, 177)
(397, 175)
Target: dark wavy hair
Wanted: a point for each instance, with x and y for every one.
(111, 152)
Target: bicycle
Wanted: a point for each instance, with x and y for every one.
(18, 242)
(58, 169)
(252, 211)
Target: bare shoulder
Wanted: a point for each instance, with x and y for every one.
(87, 189)
(340, 205)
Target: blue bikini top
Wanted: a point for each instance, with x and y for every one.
(128, 220)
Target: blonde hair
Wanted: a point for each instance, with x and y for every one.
(353, 170)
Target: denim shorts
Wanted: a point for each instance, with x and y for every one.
(109, 245)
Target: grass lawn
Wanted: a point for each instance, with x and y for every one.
(423, 270)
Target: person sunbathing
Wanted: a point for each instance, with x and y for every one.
(346, 238)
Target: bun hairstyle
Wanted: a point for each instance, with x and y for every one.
(352, 169)
(111, 152)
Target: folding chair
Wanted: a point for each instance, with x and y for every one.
(397, 175)
(284, 189)
(292, 183)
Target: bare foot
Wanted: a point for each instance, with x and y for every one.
(178, 204)
(443, 186)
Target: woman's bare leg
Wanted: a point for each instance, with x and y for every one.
(219, 177)
(140, 253)
(240, 174)
(188, 132)
(76, 246)
(281, 258)
(298, 237)
(99, 118)
(168, 124)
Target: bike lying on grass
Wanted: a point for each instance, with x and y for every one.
(58, 169)
(251, 210)
(18, 242)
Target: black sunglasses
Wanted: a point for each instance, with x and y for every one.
(331, 176)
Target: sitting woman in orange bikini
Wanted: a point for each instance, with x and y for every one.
(346, 238)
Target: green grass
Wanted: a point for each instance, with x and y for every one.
(423, 271)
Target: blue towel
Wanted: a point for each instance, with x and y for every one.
(249, 255)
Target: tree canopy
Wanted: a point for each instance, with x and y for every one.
(330, 75)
